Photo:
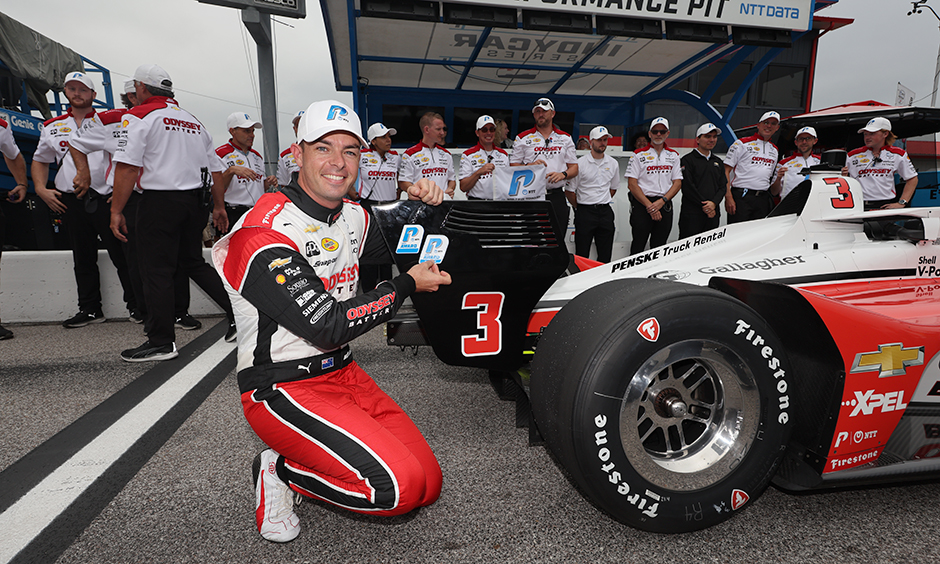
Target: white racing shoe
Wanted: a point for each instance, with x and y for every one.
(274, 500)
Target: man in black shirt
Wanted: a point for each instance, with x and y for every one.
(703, 184)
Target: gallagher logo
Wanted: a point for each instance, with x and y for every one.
(888, 360)
(649, 329)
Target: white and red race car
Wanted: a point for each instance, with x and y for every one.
(674, 385)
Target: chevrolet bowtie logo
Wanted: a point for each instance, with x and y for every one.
(890, 360)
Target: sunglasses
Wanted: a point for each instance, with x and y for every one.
(488, 130)
(659, 131)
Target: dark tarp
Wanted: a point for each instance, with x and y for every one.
(39, 61)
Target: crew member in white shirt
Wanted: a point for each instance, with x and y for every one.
(654, 177)
(286, 166)
(377, 184)
(478, 162)
(243, 176)
(874, 166)
(753, 160)
(590, 194)
(16, 164)
(429, 159)
(790, 169)
(86, 209)
(169, 155)
(553, 148)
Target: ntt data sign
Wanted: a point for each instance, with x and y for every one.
(780, 14)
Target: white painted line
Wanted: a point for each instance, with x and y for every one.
(32, 513)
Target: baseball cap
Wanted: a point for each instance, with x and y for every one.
(242, 120)
(806, 129)
(598, 132)
(705, 129)
(769, 115)
(78, 77)
(153, 75)
(545, 104)
(129, 86)
(876, 124)
(379, 130)
(658, 121)
(296, 117)
(327, 116)
(483, 120)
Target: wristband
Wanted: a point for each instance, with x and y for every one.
(565, 173)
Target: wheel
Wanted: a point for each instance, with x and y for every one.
(667, 403)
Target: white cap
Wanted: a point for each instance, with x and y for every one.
(659, 120)
(705, 129)
(876, 124)
(153, 75)
(78, 77)
(806, 129)
(129, 87)
(379, 130)
(242, 120)
(297, 117)
(769, 115)
(327, 116)
(483, 120)
(599, 132)
(545, 104)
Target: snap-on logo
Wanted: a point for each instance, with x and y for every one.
(649, 329)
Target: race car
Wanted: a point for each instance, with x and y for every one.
(674, 385)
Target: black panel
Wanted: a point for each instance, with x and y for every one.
(682, 31)
(419, 10)
(762, 37)
(557, 21)
(627, 27)
(510, 247)
(485, 16)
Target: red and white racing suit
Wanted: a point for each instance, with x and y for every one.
(290, 267)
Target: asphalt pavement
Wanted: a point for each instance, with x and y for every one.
(104, 461)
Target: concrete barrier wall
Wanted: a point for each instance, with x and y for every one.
(39, 286)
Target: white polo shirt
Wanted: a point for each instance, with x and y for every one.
(754, 162)
(7, 143)
(473, 160)
(655, 172)
(595, 180)
(242, 191)
(422, 161)
(877, 175)
(286, 166)
(168, 144)
(103, 132)
(378, 176)
(53, 147)
(792, 177)
(557, 150)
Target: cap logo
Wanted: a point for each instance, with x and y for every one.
(335, 112)
(246, 117)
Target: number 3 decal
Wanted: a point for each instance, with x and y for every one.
(845, 199)
(489, 306)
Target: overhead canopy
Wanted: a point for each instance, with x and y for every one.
(34, 58)
(504, 46)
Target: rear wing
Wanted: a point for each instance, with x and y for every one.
(502, 256)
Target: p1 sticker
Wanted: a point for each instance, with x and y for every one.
(738, 499)
(410, 241)
(435, 247)
(649, 329)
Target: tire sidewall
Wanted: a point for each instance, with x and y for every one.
(620, 489)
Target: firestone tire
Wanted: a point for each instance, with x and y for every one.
(667, 403)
